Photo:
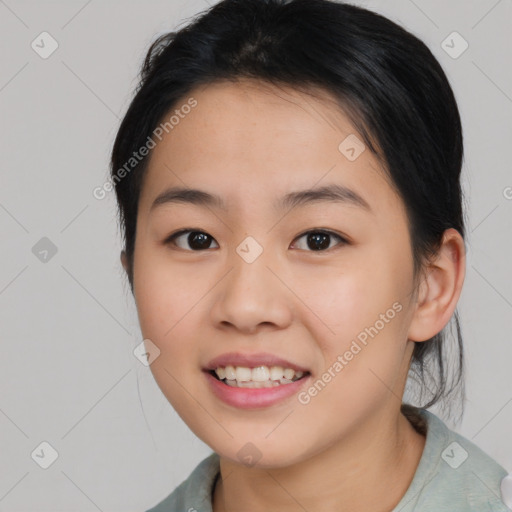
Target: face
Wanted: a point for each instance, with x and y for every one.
(267, 277)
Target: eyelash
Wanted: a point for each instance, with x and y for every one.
(171, 239)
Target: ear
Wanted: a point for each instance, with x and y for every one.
(440, 289)
(124, 260)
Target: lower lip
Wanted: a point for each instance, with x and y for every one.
(252, 398)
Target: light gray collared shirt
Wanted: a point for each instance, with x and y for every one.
(453, 475)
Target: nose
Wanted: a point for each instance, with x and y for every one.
(251, 297)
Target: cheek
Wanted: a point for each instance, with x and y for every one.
(168, 306)
(365, 310)
(363, 365)
(165, 297)
(342, 302)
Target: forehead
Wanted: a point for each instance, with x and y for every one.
(253, 137)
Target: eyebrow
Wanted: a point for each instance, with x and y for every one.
(328, 193)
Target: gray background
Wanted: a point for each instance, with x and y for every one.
(67, 372)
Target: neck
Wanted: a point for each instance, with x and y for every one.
(369, 469)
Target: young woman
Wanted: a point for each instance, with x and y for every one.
(288, 181)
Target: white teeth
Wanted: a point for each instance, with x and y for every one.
(289, 373)
(243, 374)
(276, 372)
(260, 374)
(258, 377)
(230, 373)
(251, 384)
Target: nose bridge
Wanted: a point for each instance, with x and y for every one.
(251, 294)
(250, 263)
(250, 277)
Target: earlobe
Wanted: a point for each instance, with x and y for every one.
(440, 288)
(126, 266)
(124, 260)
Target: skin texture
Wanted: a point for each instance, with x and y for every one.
(349, 448)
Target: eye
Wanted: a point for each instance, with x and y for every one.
(320, 240)
(315, 240)
(197, 240)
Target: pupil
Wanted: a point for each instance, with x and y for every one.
(201, 239)
(321, 239)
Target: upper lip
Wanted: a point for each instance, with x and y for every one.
(252, 361)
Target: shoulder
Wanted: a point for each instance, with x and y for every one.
(194, 493)
(454, 474)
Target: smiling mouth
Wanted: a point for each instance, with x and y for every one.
(257, 377)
